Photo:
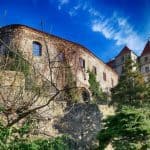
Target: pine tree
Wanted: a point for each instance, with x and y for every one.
(129, 128)
(131, 89)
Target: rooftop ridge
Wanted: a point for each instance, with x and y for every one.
(49, 34)
(146, 49)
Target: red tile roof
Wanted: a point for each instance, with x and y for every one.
(125, 50)
(146, 49)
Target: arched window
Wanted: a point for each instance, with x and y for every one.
(36, 49)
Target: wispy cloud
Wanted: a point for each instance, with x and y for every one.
(80, 6)
(120, 30)
(73, 11)
(115, 27)
(61, 3)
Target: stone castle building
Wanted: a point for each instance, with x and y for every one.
(41, 48)
(144, 60)
(118, 63)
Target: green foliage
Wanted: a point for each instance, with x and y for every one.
(15, 62)
(129, 129)
(71, 91)
(131, 89)
(97, 94)
(13, 139)
(40, 144)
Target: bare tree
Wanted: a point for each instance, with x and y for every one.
(24, 90)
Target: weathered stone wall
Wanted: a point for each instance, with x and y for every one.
(22, 38)
(12, 78)
(80, 121)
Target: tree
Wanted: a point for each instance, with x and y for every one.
(129, 128)
(131, 89)
(29, 93)
(97, 94)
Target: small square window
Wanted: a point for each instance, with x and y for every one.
(82, 63)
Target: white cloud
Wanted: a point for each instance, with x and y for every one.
(74, 10)
(80, 6)
(113, 28)
(61, 3)
(118, 29)
(93, 12)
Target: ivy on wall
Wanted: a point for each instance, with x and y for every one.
(98, 95)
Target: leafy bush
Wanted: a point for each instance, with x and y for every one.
(129, 129)
(16, 62)
(12, 138)
(40, 144)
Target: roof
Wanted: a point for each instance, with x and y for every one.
(124, 51)
(111, 63)
(146, 49)
(39, 31)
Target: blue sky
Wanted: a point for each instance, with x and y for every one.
(103, 26)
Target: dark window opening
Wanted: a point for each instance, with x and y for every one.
(82, 63)
(146, 59)
(104, 76)
(94, 70)
(37, 49)
(86, 96)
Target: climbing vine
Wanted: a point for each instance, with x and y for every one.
(98, 95)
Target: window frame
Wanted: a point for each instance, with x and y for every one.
(36, 49)
(82, 62)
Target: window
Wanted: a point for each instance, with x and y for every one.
(146, 69)
(37, 49)
(104, 76)
(94, 70)
(61, 56)
(82, 63)
(145, 59)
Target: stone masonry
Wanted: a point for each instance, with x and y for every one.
(20, 37)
